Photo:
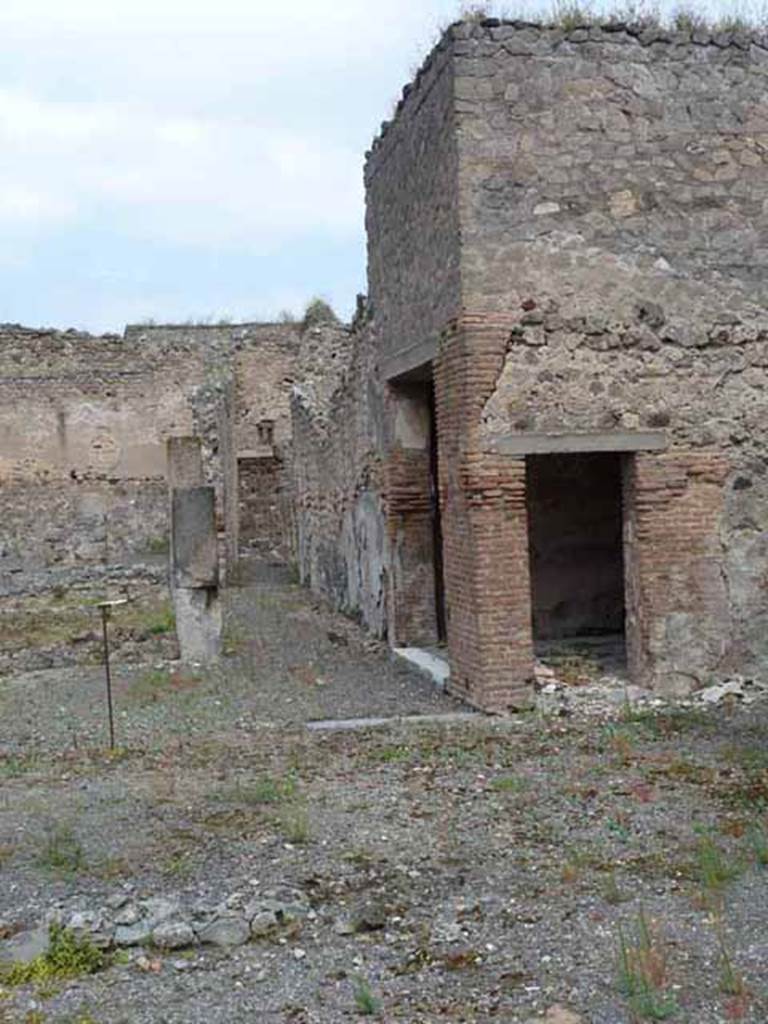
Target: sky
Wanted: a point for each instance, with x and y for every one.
(176, 160)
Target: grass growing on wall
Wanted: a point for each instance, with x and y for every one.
(572, 14)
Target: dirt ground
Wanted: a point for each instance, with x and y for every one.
(464, 870)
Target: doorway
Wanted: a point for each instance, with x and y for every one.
(576, 557)
(418, 589)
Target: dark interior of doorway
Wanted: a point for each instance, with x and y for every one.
(417, 388)
(576, 557)
(437, 529)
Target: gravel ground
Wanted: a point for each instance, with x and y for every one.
(457, 871)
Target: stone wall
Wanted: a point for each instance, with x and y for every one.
(650, 146)
(340, 489)
(412, 217)
(83, 425)
(567, 231)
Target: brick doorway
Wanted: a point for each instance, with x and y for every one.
(576, 558)
(417, 593)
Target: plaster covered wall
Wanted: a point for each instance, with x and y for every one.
(83, 426)
(338, 419)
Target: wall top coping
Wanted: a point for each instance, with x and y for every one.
(541, 37)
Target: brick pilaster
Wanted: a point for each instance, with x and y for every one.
(484, 525)
(678, 619)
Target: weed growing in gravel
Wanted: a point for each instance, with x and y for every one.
(621, 743)
(295, 824)
(61, 851)
(14, 766)
(393, 754)
(158, 545)
(366, 1002)
(715, 867)
(234, 638)
(149, 685)
(266, 790)
(67, 957)
(643, 974)
(731, 981)
(159, 683)
(758, 840)
(162, 622)
(611, 892)
(510, 784)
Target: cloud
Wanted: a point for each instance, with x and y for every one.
(178, 177)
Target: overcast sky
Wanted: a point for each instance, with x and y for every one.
(177, 159)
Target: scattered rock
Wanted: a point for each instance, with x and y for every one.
(173, 935)
(263, 924)
(93, 926)
(25, 946)
(127, 916)
(133, 934)
(369, 916)
(557, 1015)
(230, 930)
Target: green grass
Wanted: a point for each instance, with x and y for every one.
(265, 790)
(715, 867)
(642, 973)
(510, 784)
(163, 621)
(61, 852)
(67, 957)
(295, 824)
(366, 1002)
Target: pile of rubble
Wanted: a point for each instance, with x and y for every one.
(163, 924)
(610, 695)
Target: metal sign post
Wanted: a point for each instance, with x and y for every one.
(106, 609)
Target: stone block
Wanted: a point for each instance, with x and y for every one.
(195, 558)
(185, 462)
(198, 623)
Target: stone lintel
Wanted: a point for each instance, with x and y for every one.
(597, 441)
(264, 451)
(409, 359)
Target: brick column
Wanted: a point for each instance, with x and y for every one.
(678, 618)
(485, 526)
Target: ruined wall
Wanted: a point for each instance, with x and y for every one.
(607, 190)
(412, 216)
(83, 425)
(265, 375)
(338, 472)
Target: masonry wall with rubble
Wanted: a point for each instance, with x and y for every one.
(567, 235)
(337, 442)
(84, 422)
(83, 426)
